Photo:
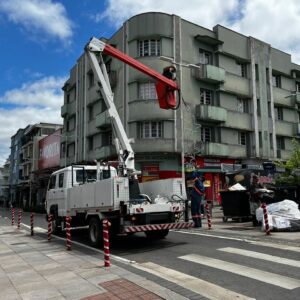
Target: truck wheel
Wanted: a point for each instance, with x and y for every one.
(56, 226)
(157, 234)
(95, 231)
(56, 222)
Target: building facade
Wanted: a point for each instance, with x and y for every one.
(239, 100)
(16, 170)
(4, 184)
(24, 160)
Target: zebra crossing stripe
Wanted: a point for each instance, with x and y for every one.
(263, 256)
(199, 286)
(267, 277)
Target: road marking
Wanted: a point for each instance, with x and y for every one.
(267, 277)
(246, 240)
(199, 286)
(277, 246)
(258, 255)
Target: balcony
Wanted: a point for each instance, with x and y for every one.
(238, 120)
(208, 73)
(296, 98)
(68, 109)
(64, 110)
(105, 151)
(285, 128)
(283, 97)
(103, 120)
(237, 85)
(297, 129)
(211, 113)
(68, 137)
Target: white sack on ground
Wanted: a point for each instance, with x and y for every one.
(281, 215)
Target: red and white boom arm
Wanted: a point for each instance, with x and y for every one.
(165, 88)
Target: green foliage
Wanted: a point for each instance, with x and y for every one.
(290, 165)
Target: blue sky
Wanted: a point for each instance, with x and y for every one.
(42, 39)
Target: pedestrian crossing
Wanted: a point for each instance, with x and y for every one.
(213, 291)
(262, 256)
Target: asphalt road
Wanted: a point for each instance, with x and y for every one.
(194, 261)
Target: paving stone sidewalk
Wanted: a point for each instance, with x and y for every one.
(33, 268)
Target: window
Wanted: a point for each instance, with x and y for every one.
(276, 81)
(68, 98)
(280, 143)
(260, 138)
(297, 86)
(91, 79)
(256, 72)
(205, 57)
(90, 143)
(107, 139)
(271, 140)
(269, 109)
(205, 134)
(71, 150)
(61, 180)
(258, 107)
(242, 138)
(147, 91)
(91, 112)
(149, 48)
(242, 69)
(151, 130)
(71, 124)
(206, 96)
(242, 105)
(52, 182)
(279, 113)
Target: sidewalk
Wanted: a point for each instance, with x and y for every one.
(245, 230)
(33, 268)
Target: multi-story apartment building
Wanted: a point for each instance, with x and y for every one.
(240, 101)
(24, 157)
(4, 184)
(16, 170)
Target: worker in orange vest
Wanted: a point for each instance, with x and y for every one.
(197, 197)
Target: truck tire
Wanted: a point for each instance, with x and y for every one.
(95, 232)
(157, 234)
(56, 221)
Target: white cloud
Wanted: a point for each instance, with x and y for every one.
(201, 12)
(34, 102)
(39, 16)
(44, 92)
(273, 21)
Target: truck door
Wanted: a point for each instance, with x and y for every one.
(60, 192)
(51, 192)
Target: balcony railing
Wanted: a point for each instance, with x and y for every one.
(208, 73)
(105, 151)
(211, 113)
(103, 120)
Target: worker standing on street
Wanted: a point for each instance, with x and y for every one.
(197, 197)
(254, 198)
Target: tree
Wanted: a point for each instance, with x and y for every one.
(291, 166)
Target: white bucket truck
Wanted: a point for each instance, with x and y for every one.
(90, 194)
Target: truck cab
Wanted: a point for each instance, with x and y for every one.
(64, 179)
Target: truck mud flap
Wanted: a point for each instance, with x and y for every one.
(142, 228)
